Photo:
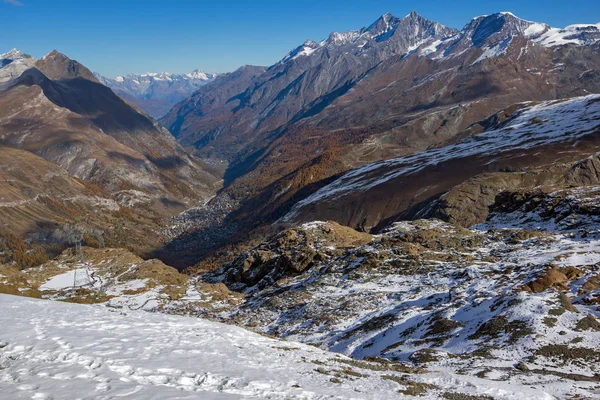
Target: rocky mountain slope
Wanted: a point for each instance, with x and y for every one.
(510, 304)
(512, 300)
(157, 93)
(397, 87)
(58, 111)
(535, 135)
(300, 80)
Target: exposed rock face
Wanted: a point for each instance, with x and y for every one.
(289, 254)
(58, 67)
(470, 202)
(552, 278)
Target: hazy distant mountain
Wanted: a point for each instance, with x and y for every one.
(157, 93)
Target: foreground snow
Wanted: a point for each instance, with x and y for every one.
(58, 350)
(53, 350)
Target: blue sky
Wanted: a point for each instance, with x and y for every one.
(117, 37)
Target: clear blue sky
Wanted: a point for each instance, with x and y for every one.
(117, 37)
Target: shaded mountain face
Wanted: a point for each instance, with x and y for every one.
(157, 93)
(216, 98)
(58, 111)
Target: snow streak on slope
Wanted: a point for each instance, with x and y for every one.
(579, 34)
(542, 124)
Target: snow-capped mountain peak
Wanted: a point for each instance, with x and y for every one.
(494, 33)
(396, 35)
(385, 23)
(492, 29)
(157, 92)
(12, 55)
(198, 74)
(13, 64)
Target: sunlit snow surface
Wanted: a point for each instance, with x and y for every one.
(53, 350)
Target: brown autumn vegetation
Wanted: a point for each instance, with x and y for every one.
(13, 250)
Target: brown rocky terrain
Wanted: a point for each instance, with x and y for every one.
(43, 203)
(459, 181)
(75, 153)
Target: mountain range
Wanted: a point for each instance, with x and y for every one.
(157, 93)
(421, 203)
(396, 87)
(107, 151)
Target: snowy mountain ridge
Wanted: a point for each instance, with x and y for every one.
(140, 79)
(499, 26)
(13, 64)
(412, 29)
(157, 92)
(570, 119)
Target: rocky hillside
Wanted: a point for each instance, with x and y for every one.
(57, 111)
(468, 171)
(157, 93)
(514, 299)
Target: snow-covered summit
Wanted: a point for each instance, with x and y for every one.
(157, 92)
(578, 34)
(400, 35)
(197, 74)
(13, 64)
(12, 55)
